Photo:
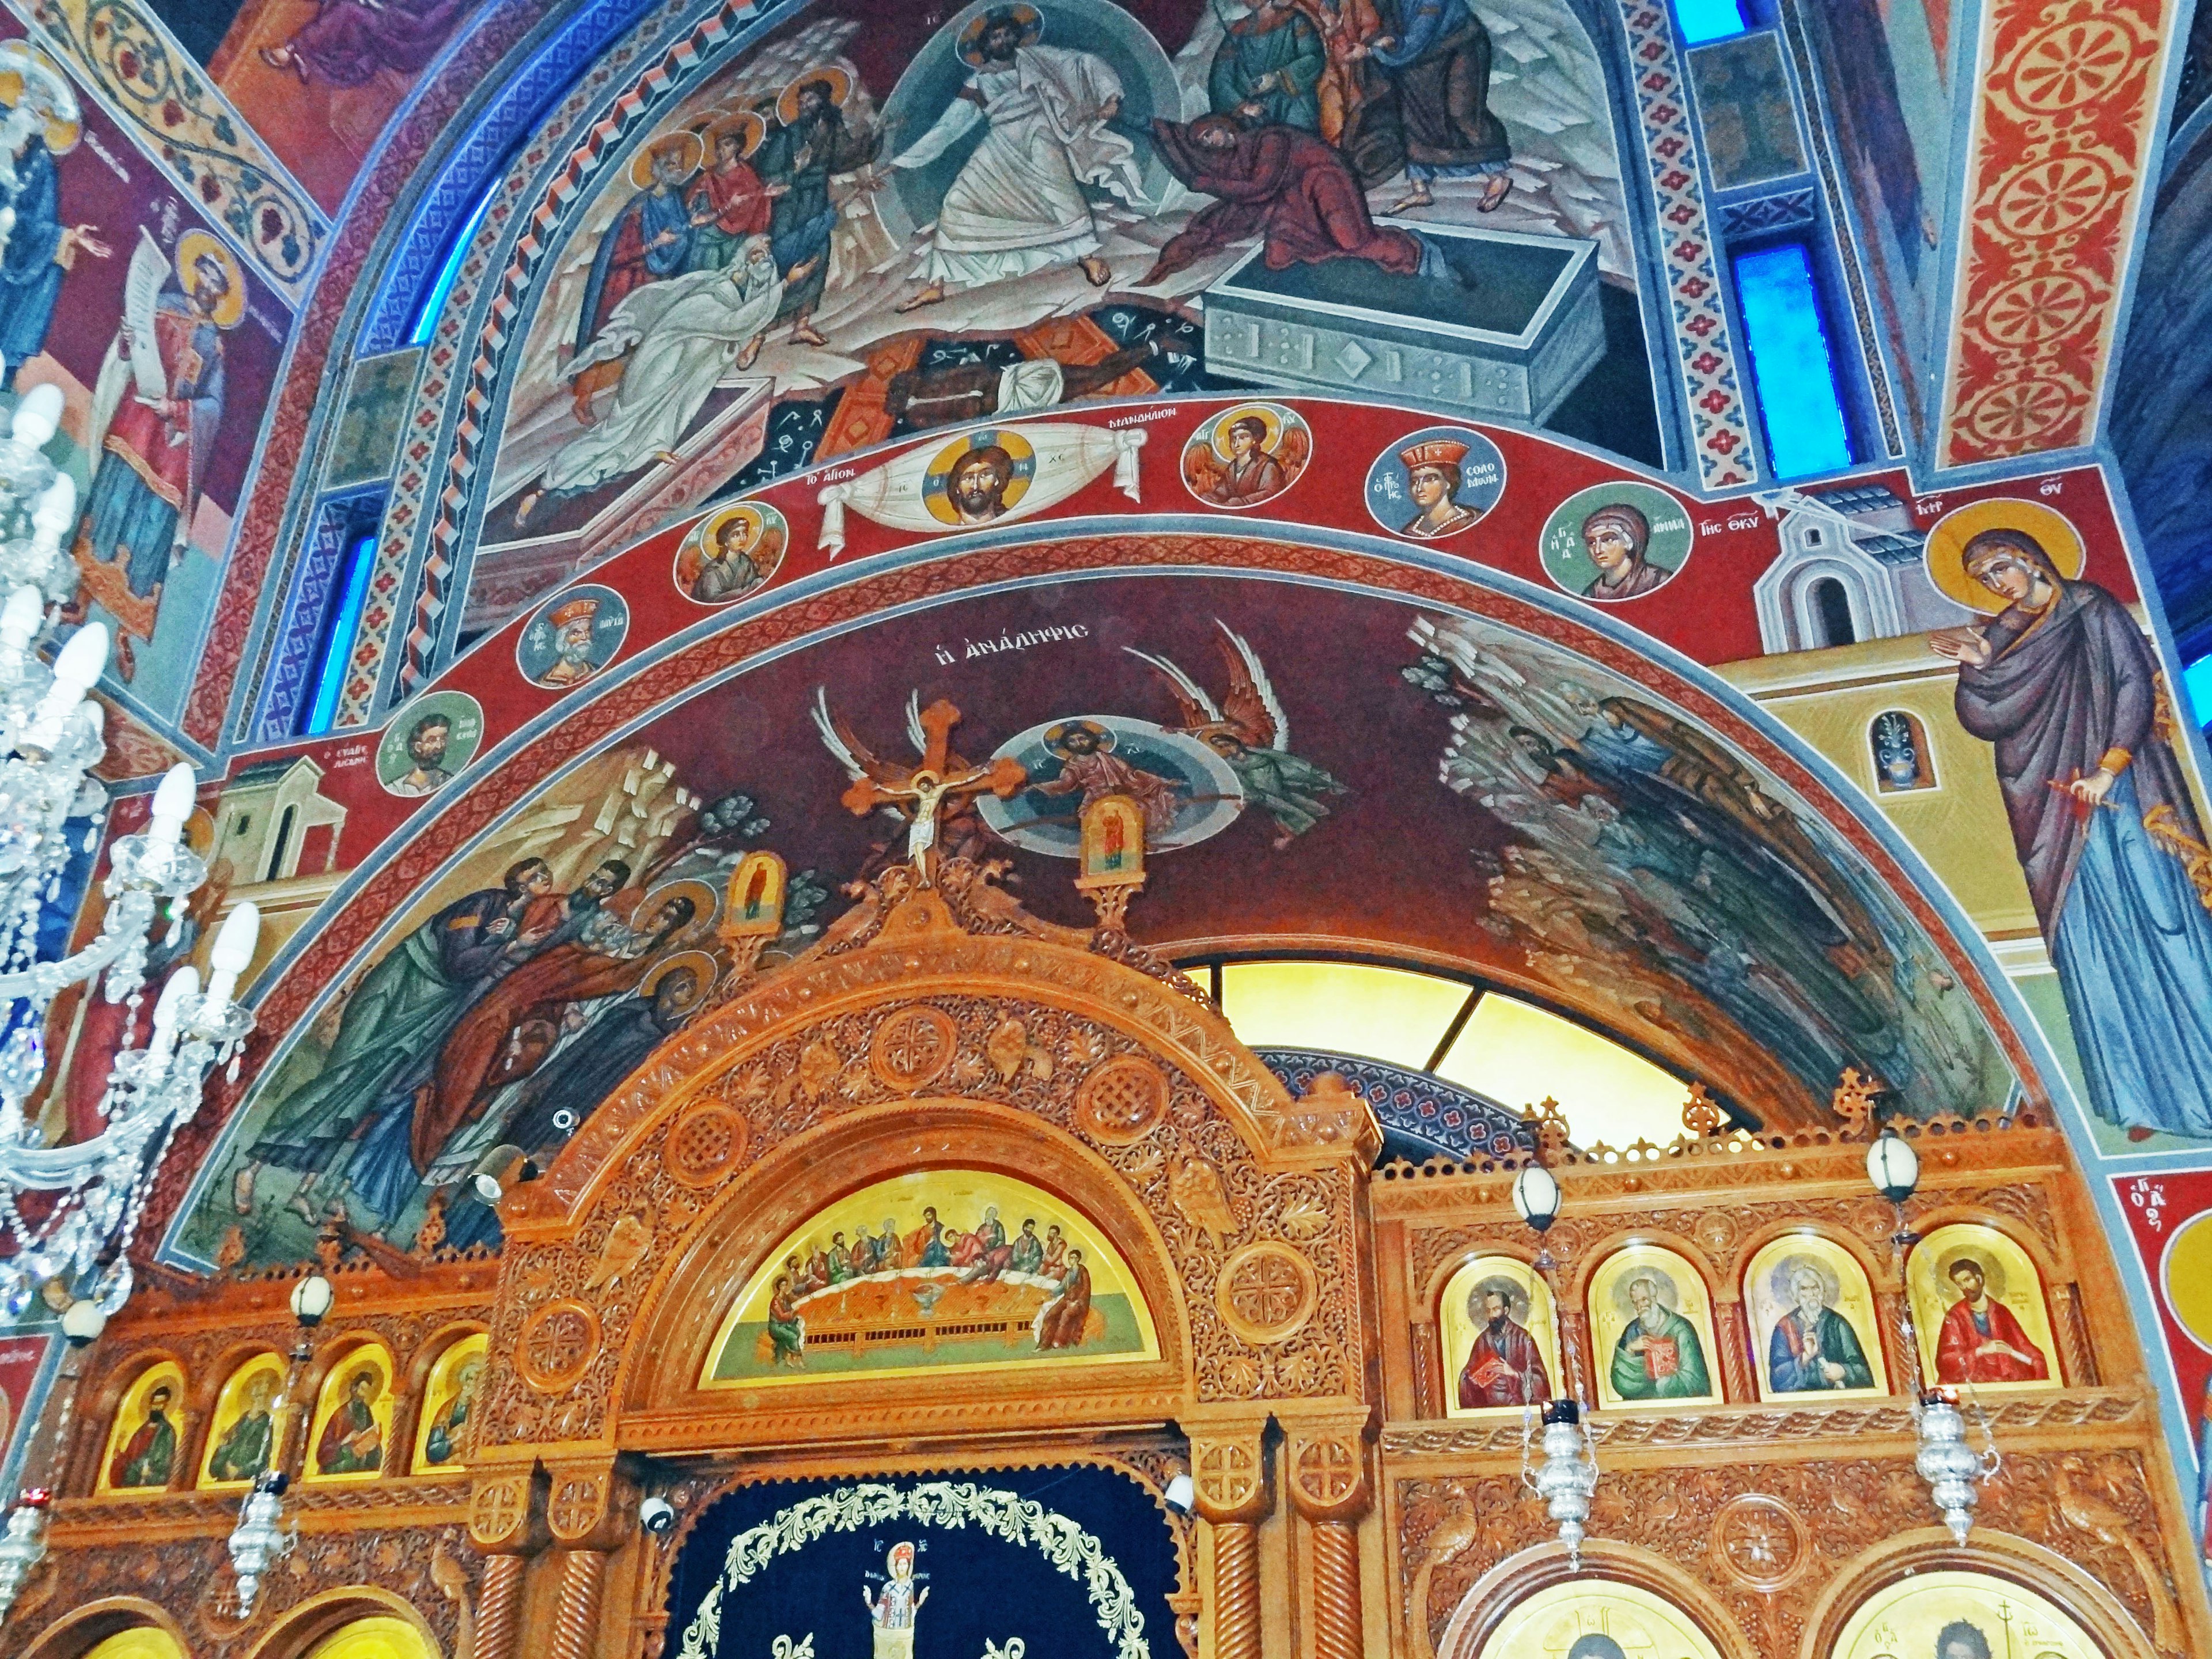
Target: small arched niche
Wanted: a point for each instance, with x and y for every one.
(246, 1425)
(1815, 1330)
(1501, 1338)
(146, 1434)
(1651, 1330)
(350, 1438)
(1586, 1618)
(1897, 745)
(380, 1636)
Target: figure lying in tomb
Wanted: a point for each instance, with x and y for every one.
(1291, 188)
(925, 397)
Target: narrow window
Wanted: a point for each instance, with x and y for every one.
(1832, 607)
(1792, 370)
(1708, 19)
(426, 316)
(284, 822)
(337, 644)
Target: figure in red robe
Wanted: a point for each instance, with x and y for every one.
(1059, 1322)
(729, 203)
(1504, 1367)
(348, 42)
(1289, 188)
(1981, 1341)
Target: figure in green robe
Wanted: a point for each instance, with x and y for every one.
(1268, 69)
(1812, 1346)
(787, 1331)
(1291, 790)
(443, 1444)
(1659, 1356)
(243, 1451)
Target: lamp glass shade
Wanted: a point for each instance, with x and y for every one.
(1536, 1196)
(311, 1299)
(1893, 1166)
(82, 1322)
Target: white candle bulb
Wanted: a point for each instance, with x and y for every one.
(168, 1009)
(18, 622)
(233, 951)
(173, 804)
(56, 502)
(78, 663)
(39, 416)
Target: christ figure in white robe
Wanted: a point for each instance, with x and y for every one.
(682, 336)
(1017, 203)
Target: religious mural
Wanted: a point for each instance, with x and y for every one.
(1598, 1619)
(441, 1434)
(142, 1443)
(1500, 1337)
(1949, 1614)
(1814, 1322)
(944, 1270)
(246, 1425)
(350, 1435)
(1651, 1329)
(1977, 1305)
(849, 233)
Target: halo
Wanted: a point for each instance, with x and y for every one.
(1107, 737)
(20, 63)
(710, 528)
(743, 121)
(1027, 16)
(704, 966)
(1519, 1303)
(1272, 419)
(1671, 1294)
(707, 900)
(1781, 1275)
(1993, 1271)
(1948, 536)
(840, 88)
(641, 165)
(194, 245)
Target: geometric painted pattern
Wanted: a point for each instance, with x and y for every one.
(1420, 1114)
(1711, 385)
(2069, 95)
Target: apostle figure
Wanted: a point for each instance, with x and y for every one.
(1432, 479)
(1059, 1322)
(147, 1456)
(154, 450)
(649, 242)
(1088, 767)
(1981, 1341)
(425, 748)
(1503, 1367)
(728, 202)
(786, 1330)
(347, 43)
(1288, 188)
(1659, 1356)
(1616, 536)
(613, 1044)
(892, 1610)
(1813, 1346)
(39, 250)
(352, 1441)
(243, 1451)
(810, 144)
(397, 1017)
(1018, 203)
(1437, 55)
(680, 337)
(2062, 683)
(1268, 69)
(726, 567)
(1026, 1253)
(1961, 1639)
(443, 1444)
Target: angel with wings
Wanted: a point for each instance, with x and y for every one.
(1248, 729)
(960, 832)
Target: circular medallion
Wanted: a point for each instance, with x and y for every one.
(1758, 1540)
(1205, 793)
(707, 1142)
(1435, 483)
(2185, 1275)
(557, 1346)
(574, 635)
(497, 1510)
(1267, 1293)
(1120, 1102)
(911, 1048)
(1246, 456)
(731, 553)
(428, 742)
(1616, 542)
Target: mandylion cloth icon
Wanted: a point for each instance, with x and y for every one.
(986, 476)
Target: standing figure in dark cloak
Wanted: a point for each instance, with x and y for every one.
(2061, 682)
(1268, 69)
(651, 240)
(809, 143)
(1285, 186)
(348, 42)
(1059, 1322)
(147, 1457)
(40, 250)
(1436, 54)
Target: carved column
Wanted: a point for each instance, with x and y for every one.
(2073, 1351)
(1738, 1385)
(587, 1513)
(1429, 1397)
(576, 1620)
(1904, 1366)
(1229, 1467)
(507, 1523)
(1574, 1337)
(1325, 1459)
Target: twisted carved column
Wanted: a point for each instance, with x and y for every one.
(1235, 1590)
(1337, 1621)
(1738, 1385)
(576, 1620)
(1904, 1363)
(506, 1525)
(1429, 1385)
(1229, 1467)
(499, 1608)
(1327, 1458)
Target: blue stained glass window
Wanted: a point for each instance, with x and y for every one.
(1792, 370)
(338, 634)
(426, 319)
(2196, 681)
(1708, 19)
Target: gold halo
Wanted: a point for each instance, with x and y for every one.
(743, 121)
(698, 961)
(1109, 739)
(707, 901)
(191, 247)
(710, 527)
(1948, 536)
(1217, 440)
(62, 131)
(1781, 1275)
(1032, 30)
(840, 88)
(1993, 1271)
(1661, 1277)
(641, 165)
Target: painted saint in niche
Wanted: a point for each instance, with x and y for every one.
(243, 1451)
(1504, 1367)
(1812, 1346)
(146, 1458)
(2062, 682)
(1659, 1355)
(892, 1609)
(1062, 1321)
(443, 1444)
(352, 1440)
(1981, 1340)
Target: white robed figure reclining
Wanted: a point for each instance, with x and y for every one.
(681, 335)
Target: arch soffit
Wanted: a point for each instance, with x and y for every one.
(81, 1629)
(295, 1634)
(1498, 1591)
(1430, 1298)
(2054, 1268)
(2000, 1555)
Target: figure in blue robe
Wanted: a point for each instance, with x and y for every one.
(31, 268)
(1268, 69)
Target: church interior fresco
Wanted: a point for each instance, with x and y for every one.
(757, 598)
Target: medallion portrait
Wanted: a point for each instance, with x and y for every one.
(1247, 456)
(1813, 1327)
(1962, 1615)
(732, 553)
(980, 478)
(429, 741)
(1436, 483)
(1651, 1330)
(1978, 1305)
(349, 1437)
(143, 1440)
(1616, 541)
(1500, 1338)
(572, 637)
(246, 1425)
